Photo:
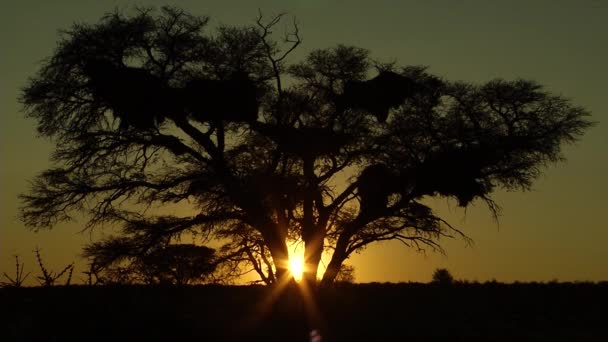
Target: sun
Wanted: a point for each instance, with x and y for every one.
(296, 265)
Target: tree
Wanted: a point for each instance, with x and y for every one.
(442, 276)
(49, 278)
(18, 279)
(178, 264)
(152, 110)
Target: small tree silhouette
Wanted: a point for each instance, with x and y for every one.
(19, 278)
(48, 278)
(442, 276)
(178, 264)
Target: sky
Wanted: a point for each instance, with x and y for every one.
(557, 231)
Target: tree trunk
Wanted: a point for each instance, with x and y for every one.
(313, 250)
(340, 252)
(333, 268)
(280, 255)
(312, 234)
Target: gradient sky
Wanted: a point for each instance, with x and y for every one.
(557, 231)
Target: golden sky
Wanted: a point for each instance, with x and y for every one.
(557, 231)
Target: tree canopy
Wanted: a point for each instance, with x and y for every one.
(338, 151)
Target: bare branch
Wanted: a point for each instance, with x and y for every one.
(293, 38)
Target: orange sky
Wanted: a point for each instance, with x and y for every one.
(557, 231)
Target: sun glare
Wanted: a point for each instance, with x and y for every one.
(295, 266)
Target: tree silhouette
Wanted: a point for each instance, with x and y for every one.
(153, 109)
(442, 276)
(178, 264)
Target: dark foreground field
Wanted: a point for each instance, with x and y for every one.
(372, 312)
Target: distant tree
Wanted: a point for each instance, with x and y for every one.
(155, 110)
(442, 276)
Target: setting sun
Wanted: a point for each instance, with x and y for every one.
(296, 266)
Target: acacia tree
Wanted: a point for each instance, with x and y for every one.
(335, 151)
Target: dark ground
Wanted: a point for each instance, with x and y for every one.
(367, 312)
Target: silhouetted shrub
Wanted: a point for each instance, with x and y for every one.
(18, 279)
(49, 278)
